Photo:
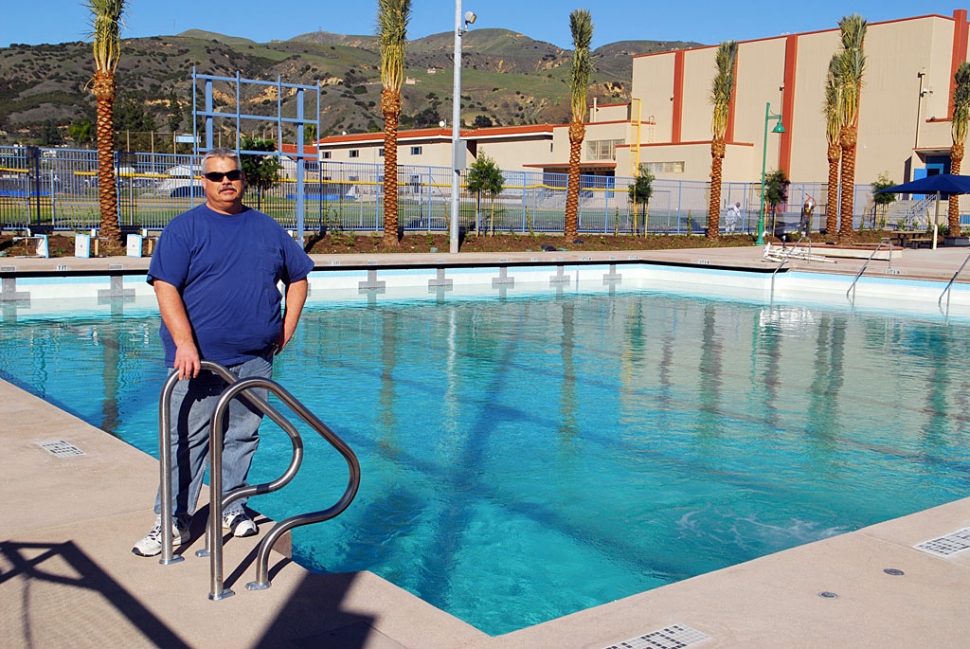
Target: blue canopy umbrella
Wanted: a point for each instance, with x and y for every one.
(938, 184)
(942, 185)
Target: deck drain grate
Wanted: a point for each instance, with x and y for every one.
(945, 546)
(60, 448)
(674, 636)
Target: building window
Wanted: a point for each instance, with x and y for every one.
(416, 150)
(325, 155)
(663, 167)
(380, 152)
(602, 149)
(355, 153)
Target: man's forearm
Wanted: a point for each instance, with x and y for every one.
(296, 294)
(172, 309)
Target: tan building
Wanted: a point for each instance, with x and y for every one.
(904, 122)
(904, 127)
(538, 147)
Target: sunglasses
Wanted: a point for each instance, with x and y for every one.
(217, 176)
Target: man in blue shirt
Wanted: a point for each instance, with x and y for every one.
(215, 272)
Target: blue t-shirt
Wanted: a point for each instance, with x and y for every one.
(226, 268)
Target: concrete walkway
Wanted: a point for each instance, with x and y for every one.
(68, 578)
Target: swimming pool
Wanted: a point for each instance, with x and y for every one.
(523, 458)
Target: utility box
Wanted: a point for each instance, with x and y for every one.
(134, 245)
(82, 245)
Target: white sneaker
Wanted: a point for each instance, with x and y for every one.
(151, 545)
(240, 523)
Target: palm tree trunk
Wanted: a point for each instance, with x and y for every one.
(577, 131)
(104, 92)
(953, 211)
(714, 207)
(391, 107)
(847, 202)
(832, 200)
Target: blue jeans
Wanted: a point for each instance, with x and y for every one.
(193, 404)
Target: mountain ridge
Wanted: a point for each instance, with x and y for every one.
(507, 79)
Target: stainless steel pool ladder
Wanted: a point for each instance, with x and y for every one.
(213, 549)
(949, 285)
(851, 288)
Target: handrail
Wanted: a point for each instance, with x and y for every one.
(866, 265)
(946, 291)
(165, 455)
(217, 503)
(165, 448)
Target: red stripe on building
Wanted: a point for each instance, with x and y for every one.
(677, 119)
(788, 103)
(959, 54)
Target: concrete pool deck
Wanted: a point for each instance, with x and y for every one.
(67, 576)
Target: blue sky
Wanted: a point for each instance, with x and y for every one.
(706, 21)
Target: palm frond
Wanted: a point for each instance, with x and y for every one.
(851, 67)
(393, 17)
(961, 103)
(853, 30)
(106, 21)
(581, 27)
(722, 86)
(832, 107)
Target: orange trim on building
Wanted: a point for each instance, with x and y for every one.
(817, 31)
(959, 54)
(677, 119)
(788, 103)
(647, 145)
(308, 149)
(565, 165)
(443, 133)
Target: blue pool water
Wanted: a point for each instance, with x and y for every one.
(524, 459)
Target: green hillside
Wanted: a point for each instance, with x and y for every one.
(507, 78)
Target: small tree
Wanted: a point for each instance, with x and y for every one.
(261, 171)
(640, 192)
(884, 200)
(776, 192)
(484, 176)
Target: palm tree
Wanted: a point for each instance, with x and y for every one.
(640, 192)
(722, 88)
(484, 176)
(833, 129)
(106, 20)
(392, 25)
(852, 64)
(958, 129)
(581, 26)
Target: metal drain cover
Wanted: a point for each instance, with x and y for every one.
(674, 636)
(948, 545)
(60, 448)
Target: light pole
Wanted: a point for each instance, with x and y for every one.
(764, 163)
(457, 157)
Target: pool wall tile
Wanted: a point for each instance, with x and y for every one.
(36, 296)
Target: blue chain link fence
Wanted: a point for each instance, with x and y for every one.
(57, 189)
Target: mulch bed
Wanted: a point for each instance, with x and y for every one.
(62, 245)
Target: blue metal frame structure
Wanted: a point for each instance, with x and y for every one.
(300, 121)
